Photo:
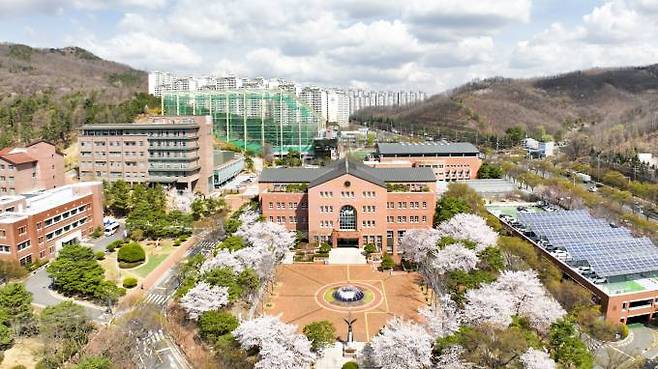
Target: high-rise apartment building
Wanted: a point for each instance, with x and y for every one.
(37, 166)
(174, 151)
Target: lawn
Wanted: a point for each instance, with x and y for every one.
(155, 255)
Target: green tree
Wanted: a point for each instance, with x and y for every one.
(16, 303)
(350, 365)
(64, 328)
(6, 337)
(75, 271)
(515, 134)
(387, 262)
(231, 225)
(214, 324)
(248, 280)
(94, 362)
(448, 207)
(488, 170)
(565, 347)
(232, 243)
(321, 334)
(224, 277)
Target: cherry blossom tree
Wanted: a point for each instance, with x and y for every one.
(279, 345)
(258, 258)
(488, 304)
(402, 344)
(470, 227)
(536, 359)
(417, 245)
(248, 218)
(454, 257)
(514, 293)
(442, 319)
(204, 297)
(530, 299)
(272, 236)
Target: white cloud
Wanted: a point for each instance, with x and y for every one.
(144, 51)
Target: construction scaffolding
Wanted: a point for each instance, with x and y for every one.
(251, 119)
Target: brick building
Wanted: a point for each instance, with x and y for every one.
(173, 151)
(449, 161)
(36, 226)
(37, 166)
(348, 204)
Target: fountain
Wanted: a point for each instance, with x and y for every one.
(348, 294)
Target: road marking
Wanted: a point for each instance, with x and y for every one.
(622, 352)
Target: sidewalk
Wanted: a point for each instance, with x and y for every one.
(153, 277)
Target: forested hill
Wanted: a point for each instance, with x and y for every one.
(613, 107)
(47, 93)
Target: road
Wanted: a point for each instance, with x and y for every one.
(159, 350)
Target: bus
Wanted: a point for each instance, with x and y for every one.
(111, 228)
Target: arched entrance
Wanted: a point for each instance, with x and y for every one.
(347, 223)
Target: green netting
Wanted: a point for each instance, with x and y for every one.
(251, 118)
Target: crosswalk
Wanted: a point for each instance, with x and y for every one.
(154, 337)
(156, 299)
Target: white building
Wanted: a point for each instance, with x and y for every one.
(647, 158)
(338, 108)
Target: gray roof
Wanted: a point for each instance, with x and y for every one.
(428, 148)
(316, 176)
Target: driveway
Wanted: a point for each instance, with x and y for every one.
(641, 341)
(99, 244)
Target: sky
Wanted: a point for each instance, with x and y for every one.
(431, 45)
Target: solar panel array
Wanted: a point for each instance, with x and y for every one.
(609, 251)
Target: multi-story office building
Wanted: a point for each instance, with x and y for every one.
(174, 151)
(35, 226)
(349, 204)
(449, 161)
(252, 119)
(37, 166)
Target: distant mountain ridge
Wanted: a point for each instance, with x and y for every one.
(48, 93)
(613, 106)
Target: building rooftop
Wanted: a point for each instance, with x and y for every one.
(152, 122)
(427, 148)
(42, 200)
(316, 176)
(16, 155)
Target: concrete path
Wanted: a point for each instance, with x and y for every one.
(351, 255)
(332, 357)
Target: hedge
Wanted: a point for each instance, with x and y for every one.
(129, 282)
(131, 253)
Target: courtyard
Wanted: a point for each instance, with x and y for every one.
(303, 294)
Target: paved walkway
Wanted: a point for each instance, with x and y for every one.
(346, 256)
(332, 357)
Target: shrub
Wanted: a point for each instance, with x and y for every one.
(232, 243)
(214, 324)
(232, 225)
(350, 365)
(324, 248)
(98, 231)
(18, 367)
(131, 253)
(100, 255)
(321, 334)
(137, 234)
(177, 243)
(129, 282)
(114, 245)
(183, 238)
(370, 249)
(387, 262)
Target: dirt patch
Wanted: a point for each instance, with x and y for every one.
(26, 352)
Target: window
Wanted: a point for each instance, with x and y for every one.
(390, 205)
(424, 218)
(424, 204)
(26, 260)
(3, 233)
(5, 249)
(390, 219)
(271, 205)
(23, 245)
(22, 230)
(347, 218)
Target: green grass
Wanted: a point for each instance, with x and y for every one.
(624, 287)
(152, 263)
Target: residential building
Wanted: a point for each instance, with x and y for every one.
(449, 161)
(173, 151)
(338, 107)
(539, 149)
(37, 166)
(348, 204)
(359, 99)
(35, 226)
